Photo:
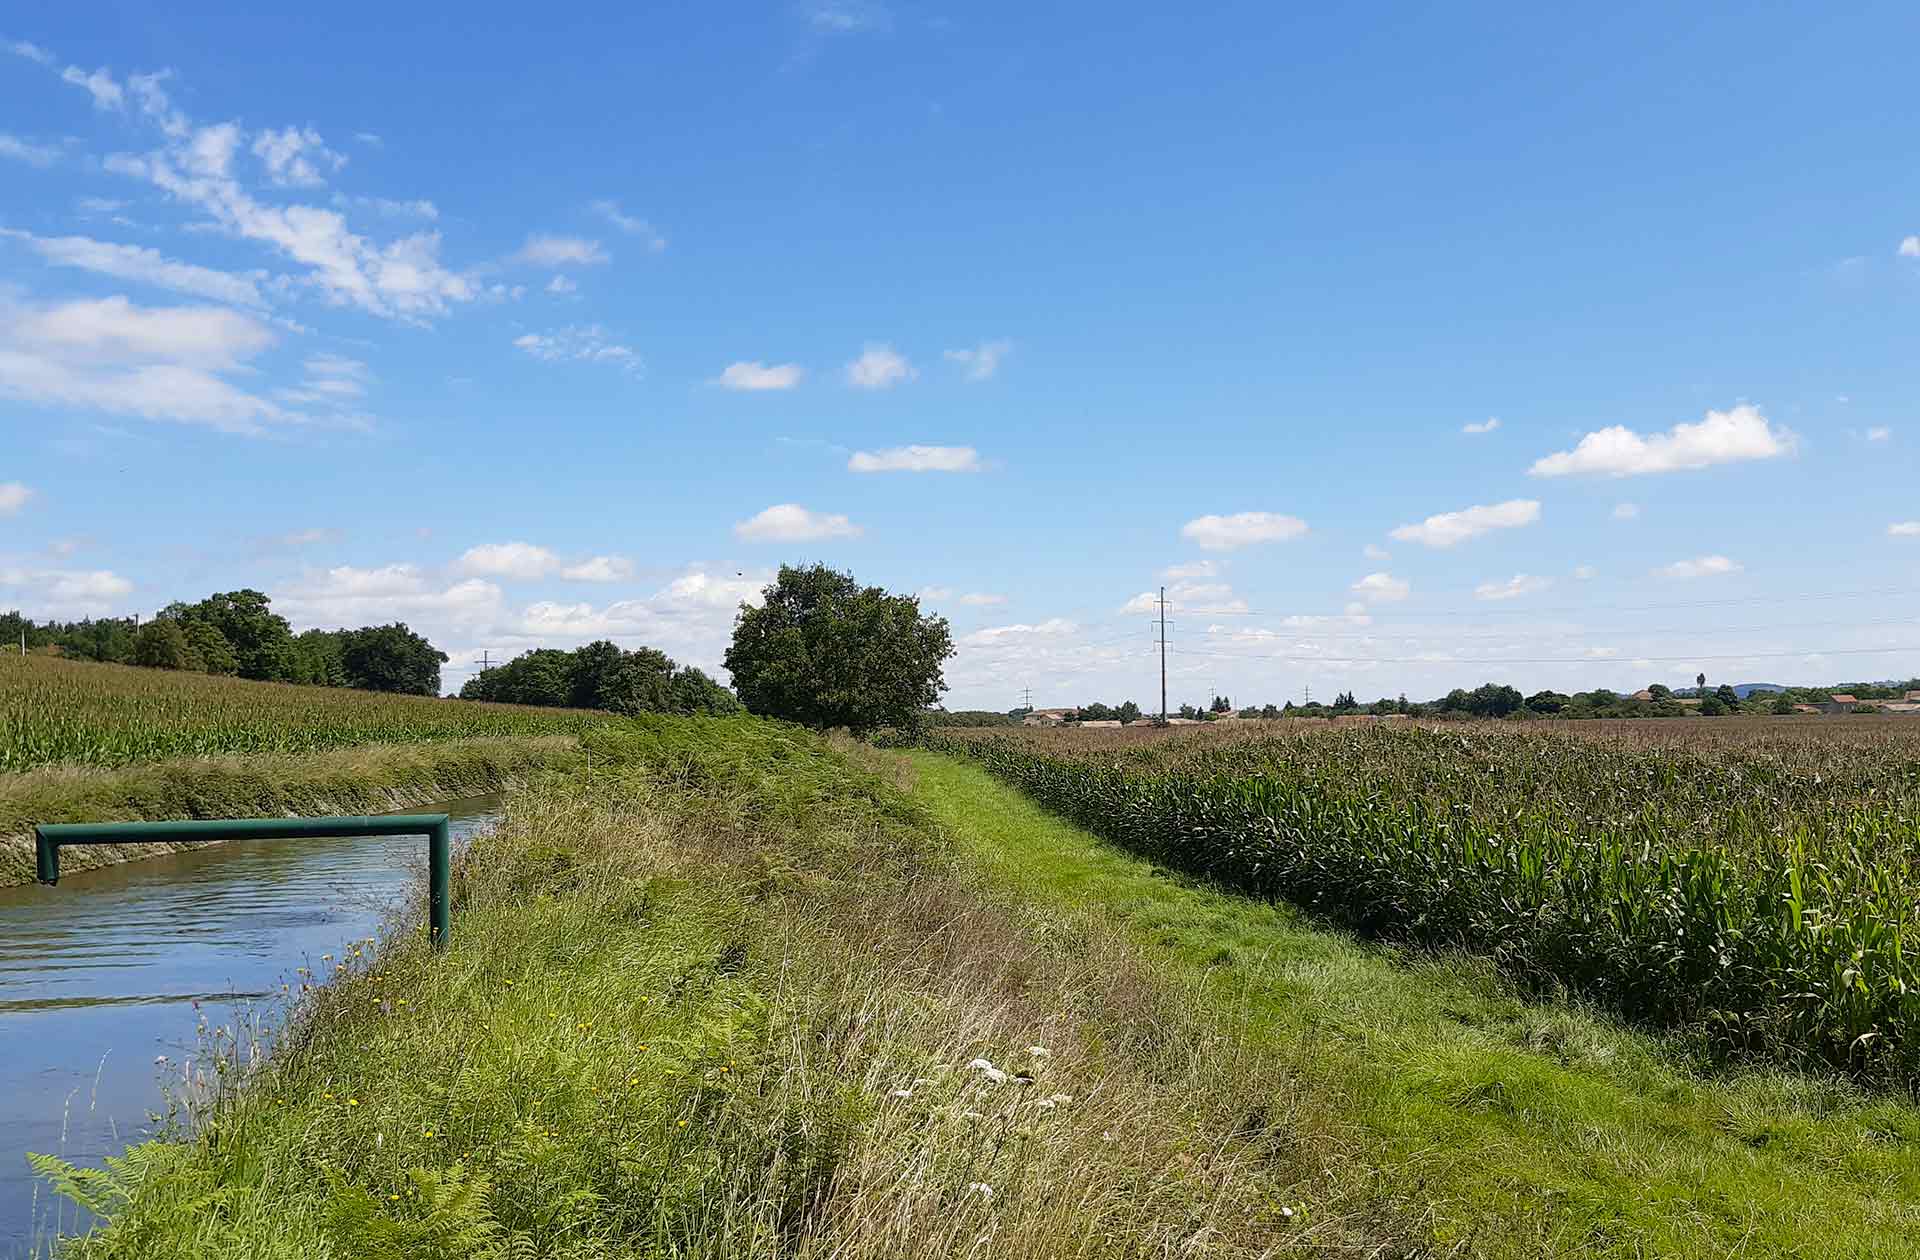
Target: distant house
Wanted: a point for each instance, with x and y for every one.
(1046, 717)
(1642, 694)
(1840, 703)
(1913, 697)
(1806, 708)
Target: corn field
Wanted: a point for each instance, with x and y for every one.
(1756, 888)
(57, 712)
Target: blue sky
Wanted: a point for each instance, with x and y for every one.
(1408, 349)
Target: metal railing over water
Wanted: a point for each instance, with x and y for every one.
(49, 837)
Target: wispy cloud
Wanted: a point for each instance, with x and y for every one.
(1242, 529)
(32, 154)
(13, 497)
(955, 459)
(611, 212)
(879, 366)
(1447, 529)
(757, 377)
(1382, 588)
(580, 343)
(1704, 566)
(143, 265)
(1484, 426)
(983, 360)
(1513, 588)
(561, 251)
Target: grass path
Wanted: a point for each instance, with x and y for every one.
(1513, 1128)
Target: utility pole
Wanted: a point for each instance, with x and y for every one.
(1026, 698)
(486, 659)
(1163, 656)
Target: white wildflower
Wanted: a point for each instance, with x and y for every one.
(1061, 1098)
(982, 1189)
(989, 1071)
(1040, 1052)
(901, 1093)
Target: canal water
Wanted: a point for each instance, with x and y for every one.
(107, 980)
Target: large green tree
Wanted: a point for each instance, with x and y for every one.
(824, 651)
(261, 639)
(391, 658)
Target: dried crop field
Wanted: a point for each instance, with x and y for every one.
(1751, 882)
(58, 712)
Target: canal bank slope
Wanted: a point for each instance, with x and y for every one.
(733, 992)
(365, 780)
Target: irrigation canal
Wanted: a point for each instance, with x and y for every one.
(115, 968)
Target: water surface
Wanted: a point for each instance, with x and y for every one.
(106, 979)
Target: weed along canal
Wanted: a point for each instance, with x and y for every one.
(119, 980)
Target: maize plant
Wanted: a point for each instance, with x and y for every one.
(1758, 892)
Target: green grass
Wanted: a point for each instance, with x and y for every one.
(1509, 1127)
(346, 781)
(684, 988)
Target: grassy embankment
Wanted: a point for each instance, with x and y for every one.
(101, 743)
(721, 994)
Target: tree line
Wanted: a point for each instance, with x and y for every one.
(237, 633)
(601, 675)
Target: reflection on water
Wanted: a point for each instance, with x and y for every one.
(113, 969)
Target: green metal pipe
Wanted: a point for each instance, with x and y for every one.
(48, 837)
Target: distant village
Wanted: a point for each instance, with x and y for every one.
(1501, 702)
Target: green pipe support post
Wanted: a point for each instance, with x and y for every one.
(48, 837)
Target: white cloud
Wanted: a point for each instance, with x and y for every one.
(983, 360)
(1513, 588)
(66, 592)
(13, 497)
(413, 208)
(346, 595)
(600, 569)
(1052, 627)
(610, 211)
(32, 52)
(1446, 529)
(100, 85)
(400, 279)
(1704, 566)
(1194, 569)
(584, 343)
(982, 599)
(561, 251)
(1910, 247)
(1381, 588)
(1723, 437)
(756, 376)
(1145, 601)
(143, 265)
(159, 363)
(1204, 597)
(1879, 433)
(1374, 551)
(521, 560)
(848, 17)
(1904, 529)
(32, 154)
(1484, 426)
(789, 522)
(879, 367)
(933, 593)
(1585, 572)
(561, 284)
(293, 157)
(916, 459)
(1242, 529)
